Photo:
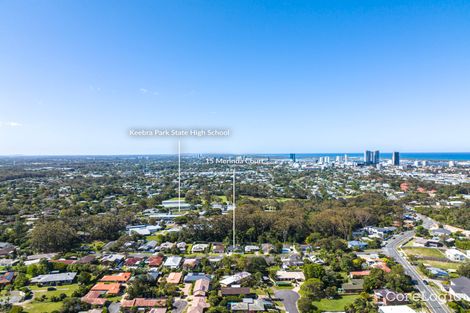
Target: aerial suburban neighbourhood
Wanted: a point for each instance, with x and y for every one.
(313, 234)
(234, 156)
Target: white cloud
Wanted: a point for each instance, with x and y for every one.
(10, 124)
(147, 91)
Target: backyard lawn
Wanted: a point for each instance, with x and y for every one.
(36, 306)
(335, 305)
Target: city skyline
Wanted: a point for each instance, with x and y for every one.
(321, 76)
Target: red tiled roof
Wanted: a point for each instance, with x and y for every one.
(112, 288)
(360, 273)
(93, 298)
(132, 261)
(142, 302)
(121, 277)
(155, 260)
(383, 267)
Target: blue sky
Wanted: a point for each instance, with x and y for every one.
(284, 76)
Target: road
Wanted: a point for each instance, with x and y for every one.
(428, 223)
(289, 299)
(428, 294)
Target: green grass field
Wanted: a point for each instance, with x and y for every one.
(335, 305)
(47, 306)
(425, 252)
(443, 265)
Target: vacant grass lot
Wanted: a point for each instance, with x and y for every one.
(425, 252)
(335, 305)
(442, 265)
(47, 306)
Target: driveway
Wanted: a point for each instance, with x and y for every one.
(179, 306)
(289, 299)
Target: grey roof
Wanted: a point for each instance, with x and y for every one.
(461, 285)
(52, 278)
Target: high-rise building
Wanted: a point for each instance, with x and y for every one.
(376, 157)
(292, 157)
(368, 157)
(396, 158)
(371, 157)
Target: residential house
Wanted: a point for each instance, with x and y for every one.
(437, 272)
(248, 305)
(181, 246)
(142, 303)
(155, 260)
(460, 288)
(133, 262)
(6, 252)
(355, 244)
(173, 262)
(190, 264)
(174, 278)
(149, 246)
(290, 276)
(54, 279)
(192, 277)
(455, 255)
(201, 287)
(199, 248)
(198, 305)
(113, 259)
(441, 232)
(359, 274)
(218, 247)
(292, 260)
(234, 279)
(118, 278)
(251, 249)
(110, 289)
(6, 278)
(267, 248)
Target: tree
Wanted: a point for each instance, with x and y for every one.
(464, 269)
(313, 289)
(74, 305)
(52, 236)
(84, 278)
(361, 305)
(397, 279)
(375, 280)
(256, 264)
(313, 271)
(305, 305)
(331, 292)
